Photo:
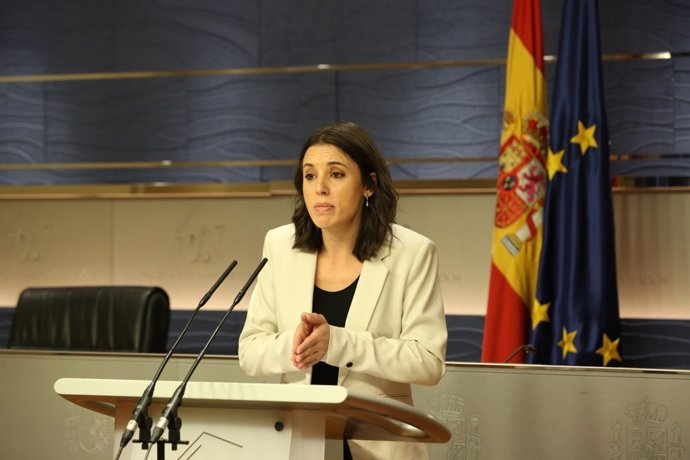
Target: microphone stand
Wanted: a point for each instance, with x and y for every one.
(527, 348)
(140, 417)
(169, 418)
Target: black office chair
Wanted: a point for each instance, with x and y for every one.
(91, 318)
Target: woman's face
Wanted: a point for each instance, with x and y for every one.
(332, 188)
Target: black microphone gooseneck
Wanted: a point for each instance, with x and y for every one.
(527, 348)
(140, 416)
(169, 416)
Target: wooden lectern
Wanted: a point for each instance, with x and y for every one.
(256, 420)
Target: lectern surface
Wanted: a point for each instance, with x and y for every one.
(348, 413)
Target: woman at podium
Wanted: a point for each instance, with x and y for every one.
(348, 297)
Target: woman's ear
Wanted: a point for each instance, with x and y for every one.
(370, 190)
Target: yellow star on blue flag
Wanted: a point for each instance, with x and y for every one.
(540, 312)
(609, 349)
(585, 137)
(567, 343)
(554, 163)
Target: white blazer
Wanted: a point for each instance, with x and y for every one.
(395, 333)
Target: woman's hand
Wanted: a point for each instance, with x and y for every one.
(311, 339)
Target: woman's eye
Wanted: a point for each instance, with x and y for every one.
(308, 176)
(337, 174)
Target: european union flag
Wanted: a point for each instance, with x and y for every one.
(575, 318)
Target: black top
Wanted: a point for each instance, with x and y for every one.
(334, 306)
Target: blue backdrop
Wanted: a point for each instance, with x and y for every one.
(450, 112)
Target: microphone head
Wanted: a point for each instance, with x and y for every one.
(159, 429)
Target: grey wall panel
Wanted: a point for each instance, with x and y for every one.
(357, 31)
(644, 26)
(105, 36)
(453, 112)
(179, 34)
(211, 119)
(449, 113)
(470, 29)
(56, 37)
(81, 35)
(256, 117)
(21, 128)
(681, 106)
(643, 123)
(124, 120)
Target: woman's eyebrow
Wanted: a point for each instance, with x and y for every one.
(330, 163)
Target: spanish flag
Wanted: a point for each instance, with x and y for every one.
(517, 236)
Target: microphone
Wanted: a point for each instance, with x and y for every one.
(527, 348)
(169, 414)
(140, 417)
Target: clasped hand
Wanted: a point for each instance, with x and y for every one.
(311, 339)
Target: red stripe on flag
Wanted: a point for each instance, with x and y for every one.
(505, 328)
(526, 24)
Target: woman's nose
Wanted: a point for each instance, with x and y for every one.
(321, 186)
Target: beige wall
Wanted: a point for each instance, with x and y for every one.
(183, 244)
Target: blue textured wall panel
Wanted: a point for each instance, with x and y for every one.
(442, 112)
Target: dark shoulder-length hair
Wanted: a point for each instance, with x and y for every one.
(377, 218)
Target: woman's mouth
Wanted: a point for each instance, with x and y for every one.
(323, 207)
